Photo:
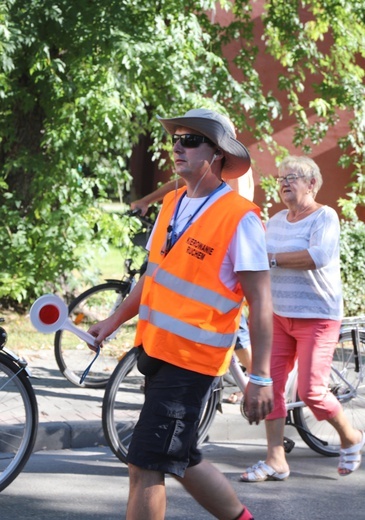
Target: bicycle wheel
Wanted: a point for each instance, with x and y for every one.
(123, 400)
(73, 355)
(18, 420)
(348, 385)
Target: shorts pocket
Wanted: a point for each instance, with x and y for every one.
(178, 427)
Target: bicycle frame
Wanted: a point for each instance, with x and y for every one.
(21, 362)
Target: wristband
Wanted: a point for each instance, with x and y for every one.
(260, 381)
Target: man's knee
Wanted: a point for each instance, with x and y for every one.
(139, 475)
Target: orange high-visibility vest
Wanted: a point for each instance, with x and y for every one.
(187, 316)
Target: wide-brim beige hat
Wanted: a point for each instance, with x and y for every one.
(220, 130)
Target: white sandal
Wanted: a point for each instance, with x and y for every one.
(260, 472)
(350, 458)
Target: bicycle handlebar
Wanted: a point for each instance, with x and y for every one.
(147, 221)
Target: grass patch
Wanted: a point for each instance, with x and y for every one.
(109, 264)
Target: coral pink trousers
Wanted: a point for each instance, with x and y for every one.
(312, 341)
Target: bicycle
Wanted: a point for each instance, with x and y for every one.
(124, 397)
(95, 304)
(18, 414)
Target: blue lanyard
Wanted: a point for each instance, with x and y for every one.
(172, 235)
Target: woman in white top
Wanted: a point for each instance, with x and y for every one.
(303, 250)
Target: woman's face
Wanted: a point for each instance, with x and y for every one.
(294, 187)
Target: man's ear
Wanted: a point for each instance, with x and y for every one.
(218, 153)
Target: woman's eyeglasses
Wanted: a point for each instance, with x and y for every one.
(190, 140)
(292, 177)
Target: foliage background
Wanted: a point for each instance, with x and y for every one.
(80, 82)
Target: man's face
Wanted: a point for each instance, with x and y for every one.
(191, 162)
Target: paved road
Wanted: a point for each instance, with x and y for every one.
(91, 484)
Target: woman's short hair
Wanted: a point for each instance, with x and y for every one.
(302, 165)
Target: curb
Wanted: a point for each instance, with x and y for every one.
(59, 435)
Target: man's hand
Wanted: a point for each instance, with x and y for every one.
(101, 331)
(258, 402)
(141, 205)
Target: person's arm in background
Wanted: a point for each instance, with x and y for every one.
(243, 185)
(157, 195)
(294, 260)
(233, 183)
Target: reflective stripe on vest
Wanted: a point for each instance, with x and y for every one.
(195, 292)
(151, 267)
(183, 329)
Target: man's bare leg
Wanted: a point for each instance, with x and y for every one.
(147, 494)
(212, 490)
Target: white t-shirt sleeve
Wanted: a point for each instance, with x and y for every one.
(324, 238)
(247, 250)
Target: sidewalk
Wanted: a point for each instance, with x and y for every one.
(70, 417)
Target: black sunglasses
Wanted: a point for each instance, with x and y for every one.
(190, 140)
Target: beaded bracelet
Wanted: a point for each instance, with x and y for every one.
(260, 381)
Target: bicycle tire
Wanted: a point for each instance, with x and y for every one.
(123, 400)
(73, 355)
(18, 420)
(320, 436)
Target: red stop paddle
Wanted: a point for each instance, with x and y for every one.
(49, 314)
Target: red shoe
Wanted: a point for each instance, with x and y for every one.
(246, 515)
